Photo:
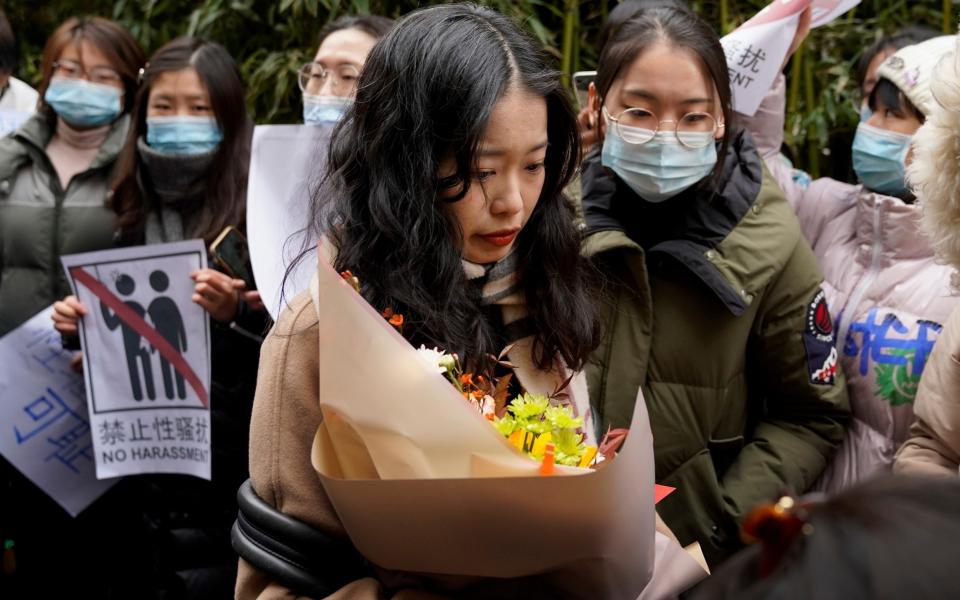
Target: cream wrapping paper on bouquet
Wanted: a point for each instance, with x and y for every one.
(423, 483)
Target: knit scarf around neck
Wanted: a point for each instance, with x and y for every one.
(499, 285)
(177, 184)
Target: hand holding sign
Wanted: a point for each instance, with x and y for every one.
(757, 51)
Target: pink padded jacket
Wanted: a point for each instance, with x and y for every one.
(887, 294)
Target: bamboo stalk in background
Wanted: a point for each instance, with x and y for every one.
(948, 24)
(571, 8)
(724, 17)
(577, 33)
(794, 81)
(809, 98)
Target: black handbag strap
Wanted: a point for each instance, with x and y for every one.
(293, 553)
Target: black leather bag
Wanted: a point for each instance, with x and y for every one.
(305, 559)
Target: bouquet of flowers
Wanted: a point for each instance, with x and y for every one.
(419, 460)
(543, 427)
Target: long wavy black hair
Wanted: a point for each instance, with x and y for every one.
(427, 92)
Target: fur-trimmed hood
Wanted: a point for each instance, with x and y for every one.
(934, 173)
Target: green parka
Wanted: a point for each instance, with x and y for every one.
(713, 308)
(40, 221)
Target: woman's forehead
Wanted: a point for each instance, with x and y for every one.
(518, 123)
(85, 52)
(667, 72)
(345, 46)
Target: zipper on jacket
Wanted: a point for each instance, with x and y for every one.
(865, 282)
(59, 197)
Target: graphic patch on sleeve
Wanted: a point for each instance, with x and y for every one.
(819, 342)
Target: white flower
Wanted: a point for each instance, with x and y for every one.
(488, 406)
(434, 358)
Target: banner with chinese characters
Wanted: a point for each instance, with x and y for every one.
(756, 50)
(44, 429)
(146, 358)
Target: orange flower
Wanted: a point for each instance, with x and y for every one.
(387, 313)
(397, 320)
(466, 379)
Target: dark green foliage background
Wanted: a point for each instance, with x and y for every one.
(271, 38)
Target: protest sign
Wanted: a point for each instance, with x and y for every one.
(45, 432)
(11, 120)
(756, 50)
(286, 166)
(146, 358)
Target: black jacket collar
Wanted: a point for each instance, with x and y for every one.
(684, 228)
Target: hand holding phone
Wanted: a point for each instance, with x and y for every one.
(231, 253)
(581, 85)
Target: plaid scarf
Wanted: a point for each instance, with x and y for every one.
(499, 284)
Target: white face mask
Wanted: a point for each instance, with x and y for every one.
(663, 167)
(324, 110)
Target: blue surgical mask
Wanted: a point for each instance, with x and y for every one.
(82, 103)
(183, 136)
(324, 110)
(879, 159)
(865, 113)
(661, 168)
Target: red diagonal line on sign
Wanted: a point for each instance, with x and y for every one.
(150, 334)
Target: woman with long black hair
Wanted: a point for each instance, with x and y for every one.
(55, 172)
(448, 174)
(182, 174)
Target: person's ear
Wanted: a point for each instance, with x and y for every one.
(721, 129)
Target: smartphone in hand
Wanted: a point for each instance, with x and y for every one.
(581, 83)
(231, 254)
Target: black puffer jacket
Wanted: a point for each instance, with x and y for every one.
(187, 520)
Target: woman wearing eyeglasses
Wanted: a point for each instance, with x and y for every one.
(54, 170)
(330, 81)
(716, 312)
(54, 174)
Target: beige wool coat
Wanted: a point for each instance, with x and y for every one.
(934, 444)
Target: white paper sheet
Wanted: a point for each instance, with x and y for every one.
(286, 165)
(11, 120)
